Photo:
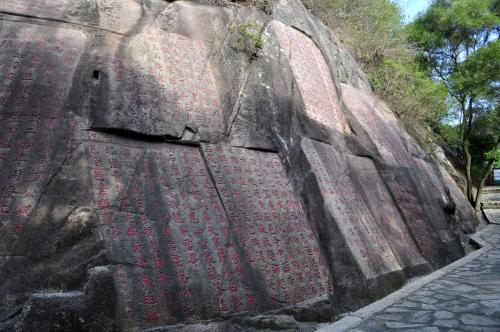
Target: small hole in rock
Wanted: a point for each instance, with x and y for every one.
(95, 75)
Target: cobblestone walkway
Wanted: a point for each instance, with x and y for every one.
(464, 297)
(491, 204)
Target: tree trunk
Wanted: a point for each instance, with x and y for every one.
(489, 169)
(477, 203)
(467, 125)
(468, 166)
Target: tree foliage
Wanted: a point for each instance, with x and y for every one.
(370, 28)
(458, 43)
(373, 30)
(441, 70)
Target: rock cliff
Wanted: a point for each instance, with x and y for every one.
(170, 163)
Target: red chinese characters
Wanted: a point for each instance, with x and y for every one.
(171, 233)
(30, 110)
(177, 82)
(364, 237)
(313, 77)
(269, 222)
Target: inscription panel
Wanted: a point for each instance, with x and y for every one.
(165, 87)
(36, 70)
(269, 222)
(385, 212)
(166, 230)
(434, 196)
(313, 77)
(39, 8)
(430, 180)
(386, 140)
(114, 15)
(404, 192)
(365, 239)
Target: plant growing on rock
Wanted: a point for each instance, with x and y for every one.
(374, 32)
(249, 37)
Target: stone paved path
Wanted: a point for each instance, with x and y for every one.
(464, 296)
(491, 204)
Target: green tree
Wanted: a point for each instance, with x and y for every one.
(371, 28)
(486, 138)
(373, 31)
(458, 40)
(419, 102)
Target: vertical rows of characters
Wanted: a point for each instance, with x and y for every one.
(432, 192)
(175, 255)
(411, 208)
(313, 77)
(394, 153)
(365, 239)
(45, 8)
(384, 210)
(36, 70)
(182, 87)
(387, 141)
(268, 220)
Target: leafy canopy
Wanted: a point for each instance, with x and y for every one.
(459, 45)
(373, 31)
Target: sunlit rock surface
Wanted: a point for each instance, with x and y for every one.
(154, 172)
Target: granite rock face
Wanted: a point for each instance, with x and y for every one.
(155, 173)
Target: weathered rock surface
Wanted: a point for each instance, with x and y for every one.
(155, 173)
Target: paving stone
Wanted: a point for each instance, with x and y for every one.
(424, 329)
(420, 317)
(443, 314)
(470, 319)
(425, 293)
(391, 317)
(446, 323)
(436, 287)
(444, 297)
(464, 289)
(426, 300)
(481, 329)
(469, 307)
(408, 304)
(429, 307)
(492, 307)
(400, 325)
(466, 299)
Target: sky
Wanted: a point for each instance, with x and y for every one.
(412, 7)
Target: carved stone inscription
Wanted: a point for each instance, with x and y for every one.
(434, 197)
(404, 192)
(166, 230)
(36, 70)
(41, 8)
(430, 180)
(385, 212)
(313, 77)
(164, 88)
(269, 223)
(344, 202)
(385, 138)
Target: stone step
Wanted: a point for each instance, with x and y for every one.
(493, 215)
(490, 197)
(491, 190)
(491, 205)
